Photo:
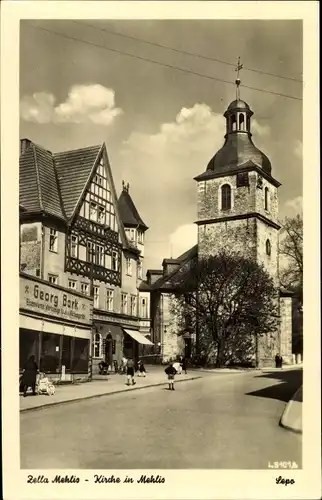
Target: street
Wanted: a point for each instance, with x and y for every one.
(221, 421)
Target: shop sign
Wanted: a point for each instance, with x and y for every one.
(111, 319)
(39, 297)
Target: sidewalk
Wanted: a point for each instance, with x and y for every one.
(100, 386)
(292, 415)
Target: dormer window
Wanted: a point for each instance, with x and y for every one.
(226, 197)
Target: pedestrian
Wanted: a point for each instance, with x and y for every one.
(142, 371)
(184, 365)
(171, 371)
(29, 375)
(277, 360)
(130, 371)
(281, 362)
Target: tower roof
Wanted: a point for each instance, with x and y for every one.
(128, 211)
(238, 150)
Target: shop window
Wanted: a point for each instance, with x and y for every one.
(28, 346)
(97, 347)
(50, 353)
(226, 197)
(66, 352)
(53, 240)
(80, 357)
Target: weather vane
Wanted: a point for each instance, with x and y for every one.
(237, 81)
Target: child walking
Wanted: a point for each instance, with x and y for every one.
(130, 371)
(171, 371)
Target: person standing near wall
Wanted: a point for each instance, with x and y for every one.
(29, 375)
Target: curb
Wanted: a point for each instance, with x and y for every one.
(118, 391)
(290, 408)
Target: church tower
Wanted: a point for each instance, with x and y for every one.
(238, 200)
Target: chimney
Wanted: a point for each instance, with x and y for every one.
(153, 275)
(170, 265)
(24, 145)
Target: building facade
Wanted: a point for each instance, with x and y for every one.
(237, 209)
(72, 236)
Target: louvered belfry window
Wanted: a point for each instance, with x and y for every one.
(226, 197)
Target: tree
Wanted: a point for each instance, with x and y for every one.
(232, 300)
(291, 247)
(291, 276)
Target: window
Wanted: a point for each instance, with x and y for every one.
(124, 303)
(268, 247)
(115, 261)
(144, 308)
(93, 211)
(130, 234)
(109, 299)
(100, 255)
(96, 296)
(226, 197)
(72, 284)
(85, 288)
(97, 346)
(53, 279)
(140, 237)
(73, 246)
(266, 194)
(139, 270)
(90, 251)
(101, 215)
(53, 240)
(133, 305)
(129, 267)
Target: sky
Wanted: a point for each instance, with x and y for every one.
(161, 126)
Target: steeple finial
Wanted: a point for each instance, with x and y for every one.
(237, 81)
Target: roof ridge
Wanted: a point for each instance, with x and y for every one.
(37, 176)
(78, 149)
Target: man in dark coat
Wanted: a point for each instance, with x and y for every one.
(29, 375)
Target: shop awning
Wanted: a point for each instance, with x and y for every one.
(141, 339)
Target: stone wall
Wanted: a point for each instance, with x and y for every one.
(286, 329)
(245, 199)
(265, 232)
(235, 235)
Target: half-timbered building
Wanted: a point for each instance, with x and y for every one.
(77, 235)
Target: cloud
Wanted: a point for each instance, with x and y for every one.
(183, 238)
(294, 206)
(84, 104)
(260, 130)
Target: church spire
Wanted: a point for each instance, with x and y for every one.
(238, 81)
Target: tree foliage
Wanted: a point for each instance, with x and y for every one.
(291, 246)
(232, 301)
